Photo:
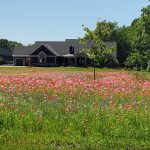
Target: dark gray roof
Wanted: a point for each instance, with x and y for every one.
(62, 47)
(24, 50)
(48, 46)
(27, 50)
(5, 52)
(59, 48)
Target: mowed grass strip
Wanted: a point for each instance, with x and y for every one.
(23, 69)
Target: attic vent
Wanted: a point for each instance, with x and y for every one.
(71, 49)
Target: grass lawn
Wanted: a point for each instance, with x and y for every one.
(15, 69)
(62, 108)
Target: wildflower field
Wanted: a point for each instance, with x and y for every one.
(46, 109)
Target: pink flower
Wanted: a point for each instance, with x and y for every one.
(1, 105)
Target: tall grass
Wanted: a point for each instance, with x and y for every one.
(89, 124)
(141, 75)
(30, 119)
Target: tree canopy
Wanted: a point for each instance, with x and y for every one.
(10, 45)
(98, 52)
(140, 47)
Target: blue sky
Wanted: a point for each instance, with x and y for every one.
(27, 21)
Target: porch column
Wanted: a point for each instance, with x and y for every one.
(69, 61)
(23, 61)
(75, 61)
(14, 61)
(38, 60)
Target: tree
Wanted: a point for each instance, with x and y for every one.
(97, 50)
(146, 19)
(4, 43)
(140, 48)
(134, 60)
(124, 38)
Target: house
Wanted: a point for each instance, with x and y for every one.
(54, 53)
(6, 56)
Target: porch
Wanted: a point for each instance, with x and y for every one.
(50, 61)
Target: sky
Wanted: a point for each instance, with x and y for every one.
(27, 21)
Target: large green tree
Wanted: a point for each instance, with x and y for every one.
(124, 37)
(141, 42)
(4, 43)
(146, 19)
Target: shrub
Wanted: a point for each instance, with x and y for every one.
(142, 69)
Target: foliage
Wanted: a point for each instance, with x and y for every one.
(97, 51)
(124, 37)
(134, 60)
(134, 39)
(146, 19)
(10, 45)
(140, 48)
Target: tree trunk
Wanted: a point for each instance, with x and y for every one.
(94, 72)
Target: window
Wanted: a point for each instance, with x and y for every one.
(71, 49)
(34, 59)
